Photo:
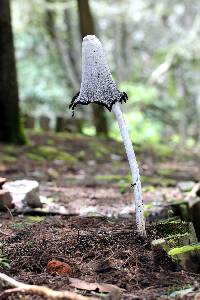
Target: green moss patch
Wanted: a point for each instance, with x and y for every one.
(35, 157)
(99, 149)
(8, 158)
(184, 249)
(168, 228)
(43, 153)
(108, 177)
(174, 241)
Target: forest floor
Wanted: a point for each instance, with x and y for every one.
(88, 180)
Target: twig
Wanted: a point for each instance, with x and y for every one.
(42, 291)
(9, 211)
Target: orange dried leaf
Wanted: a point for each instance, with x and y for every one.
(59, 268)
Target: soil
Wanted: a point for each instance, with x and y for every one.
(99, 244)
(98, 249)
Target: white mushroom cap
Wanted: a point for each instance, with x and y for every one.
(97, 84)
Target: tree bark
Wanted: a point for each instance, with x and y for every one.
(73, 40)
(10, 127)
(87, 27)
(62, 50)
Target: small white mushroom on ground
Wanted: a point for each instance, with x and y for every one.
(97, 86)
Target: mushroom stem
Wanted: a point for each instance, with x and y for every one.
(139, 211)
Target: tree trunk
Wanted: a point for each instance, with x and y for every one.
(73, 41)
(87, 28)
(10, 128)
(62, 50)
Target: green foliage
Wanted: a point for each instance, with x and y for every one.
(159, 111)
(141, 127)
(4, 262)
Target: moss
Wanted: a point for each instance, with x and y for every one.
(81, 155)
(157, 181)
(50, 142)
(166, 172)
(99, 149)
(179, 240)
(66, 157)
(8, 158)
(182, 210)
(11, 149)
(148, 205)
(123, 185)
(27, 222)
(33, 219)
(184, 249)
(167, 228)
(51, 153)
(70, 136)
(125, 180)
(148, 188)
(108, 177)
(48, 152)
(35, 157)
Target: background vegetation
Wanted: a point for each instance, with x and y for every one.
(153, 49)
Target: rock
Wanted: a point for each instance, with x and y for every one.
(5, 200)
(2, 181)
(186, 186)
(24, 193)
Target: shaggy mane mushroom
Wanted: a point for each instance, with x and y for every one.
(97, 86)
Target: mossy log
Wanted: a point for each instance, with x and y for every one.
(187, 256)
(189, 210)
(173, 227)
(177, 235)
(177, 240)
(182, 210)
(194, 204)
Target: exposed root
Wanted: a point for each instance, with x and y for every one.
(45, 292)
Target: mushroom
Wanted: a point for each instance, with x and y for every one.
(97, 86)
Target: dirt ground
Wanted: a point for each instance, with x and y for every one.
(98, 249)
(99, 242)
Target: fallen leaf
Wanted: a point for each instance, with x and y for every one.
(59, 268)
(93, 286)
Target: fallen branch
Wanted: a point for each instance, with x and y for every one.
(47, 293)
